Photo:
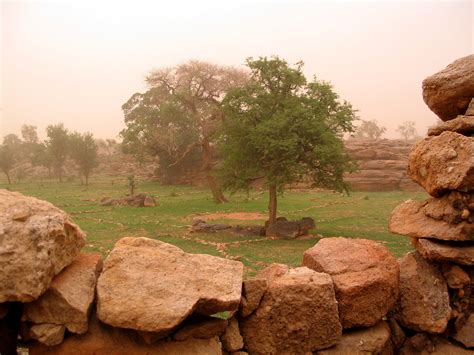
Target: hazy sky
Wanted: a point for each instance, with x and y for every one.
(77, 62)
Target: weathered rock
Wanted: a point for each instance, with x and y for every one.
(450, 207)
(201, 226)
(232, 339)
(283, 228)
(373, 340)
(455, 276)
(470, 109)
(443, 163)
(365, 277)
(48, 334)
(129, 296)
(69, 298)
(203, 329)
(409, 219)
(38, 241)
(424, 301)
(137, 200)
(459, 252)
(272, 272)
(448, 92)
(397, 335)
(252, 293)
(422, 344)
(298, 314)
(462, 124)
(103, 339)
(466, 334)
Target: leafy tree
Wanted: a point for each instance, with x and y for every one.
(176, 119)
(407, 130)
(57, 145)
(83, 151)
(282, 128)
(42, 157)
(7, 160)
(369, 130)
(31, 143)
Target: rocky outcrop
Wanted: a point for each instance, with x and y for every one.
(381, 165)
(365, 277)
(69, 298)
(443, 163)
(297, 314)
(37, 241)
(424, 299)
(188, 283)
(449, 92)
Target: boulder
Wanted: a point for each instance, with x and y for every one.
(365, 277)
(373, 340)
(443, 163)
(409, 219)
(202, 329)
(459, 253)
(252, 293)
(38, 241)
(424, 300)
(465, 335)
(232, 339)
(201, 226)
(423, 344)
(450, 208)
(103, 339)
(455, 276)
(283, 228)
(48, 334)
(462, 124)
(130, 296)
(298, 314)
(449, 92)
(69, 298)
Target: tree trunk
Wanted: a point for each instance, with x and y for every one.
(272, 205)
(8, 177)
(207, 167)
(87, 179)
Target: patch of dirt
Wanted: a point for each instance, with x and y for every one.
(242, 216)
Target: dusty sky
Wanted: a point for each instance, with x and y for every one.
(77, 62)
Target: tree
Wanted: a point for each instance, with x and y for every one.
(57, 145)
(177, 118)
(43, 157)
(83, 151)
(369, 130)
(7, 160)
(282, 128)
(31, 143)
(407, 130)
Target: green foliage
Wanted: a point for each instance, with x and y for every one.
(282, 128)
(369, 130)
(7, 160)
(83, 151)
(57, 145)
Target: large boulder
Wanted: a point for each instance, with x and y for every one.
(462, 124)
(410, 219)
(298, 314)
(365, 277)
(443, 163)
(38, 240)
(448, 92)
(103, 339)
(152, 286)
(424, 300)
(69, 298)
(373, 340)
(459, 253)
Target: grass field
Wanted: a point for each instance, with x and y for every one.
(361, 215)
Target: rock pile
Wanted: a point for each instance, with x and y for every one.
(437, 280)
(137, 200)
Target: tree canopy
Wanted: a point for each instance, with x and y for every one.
(176, 119)
(83, 151)
(369, 130)
(282, 128)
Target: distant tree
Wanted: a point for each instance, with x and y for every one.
(131, 184)
(83, 150)
(57, 145)
(407, 130)
(42, 157)
(7, 160)
(176, 119)
(12, 141)
(31, 143)
(281, 128)
(369, 130)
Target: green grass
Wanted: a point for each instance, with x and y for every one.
(360, 215)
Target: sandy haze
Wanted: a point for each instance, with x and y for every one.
(78, 62)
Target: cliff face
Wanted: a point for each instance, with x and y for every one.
(382, 165)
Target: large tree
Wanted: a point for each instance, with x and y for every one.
(57, 145)
(83, 151)
(176, 119)
(282, 128)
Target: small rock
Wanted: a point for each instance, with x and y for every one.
(48, 334)
(203, 329)
(455, 276)
(231, 339)
(252, 293)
